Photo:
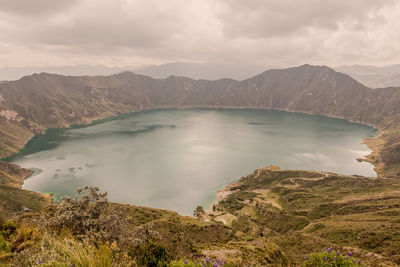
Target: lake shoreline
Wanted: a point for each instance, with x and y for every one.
(98, 120)
(247, 119)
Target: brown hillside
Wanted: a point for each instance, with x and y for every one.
(34, 103)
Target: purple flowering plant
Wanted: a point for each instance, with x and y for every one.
(330, 257)
(207, 262)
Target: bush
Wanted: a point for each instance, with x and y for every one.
(150, 254)
(88, 216)
(3, 245)
(233, 202)
(331, 257)
(7, 229)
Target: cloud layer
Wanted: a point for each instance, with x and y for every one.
(251, 32)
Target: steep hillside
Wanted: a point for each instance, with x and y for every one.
(37, 102)
(12, 198)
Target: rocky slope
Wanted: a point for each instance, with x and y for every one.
(40, 101)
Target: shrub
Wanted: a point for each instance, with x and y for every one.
(150, 254)
(3, 245)
(7, 229)
(233, 202)
(88, 216)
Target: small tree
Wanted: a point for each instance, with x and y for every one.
(199, 212)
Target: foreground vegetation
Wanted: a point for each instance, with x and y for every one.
(271, 217)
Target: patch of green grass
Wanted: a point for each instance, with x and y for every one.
(14, 200)
(234, 201)
(331, 258)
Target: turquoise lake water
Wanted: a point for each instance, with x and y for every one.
(178, 159)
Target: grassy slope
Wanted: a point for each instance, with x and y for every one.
(187, 237)
(184, 237)
(275, 216)
(304, 211)
(13, 199)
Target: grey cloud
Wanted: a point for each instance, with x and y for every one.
(137, 32)
(270, 18)
(112, 24)
(35, 7)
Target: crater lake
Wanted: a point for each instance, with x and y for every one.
(177, 159)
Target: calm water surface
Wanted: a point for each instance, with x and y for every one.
(178, 159)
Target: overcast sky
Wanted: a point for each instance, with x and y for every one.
(248, 32)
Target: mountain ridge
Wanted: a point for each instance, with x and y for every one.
(210, 71)
(34, 103)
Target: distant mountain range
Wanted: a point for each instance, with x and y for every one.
(203, 71)
(370, 76)
(34, 103)
(193, 70)
(15, 73)
(374, 77)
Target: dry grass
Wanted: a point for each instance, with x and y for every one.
(67, 251)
